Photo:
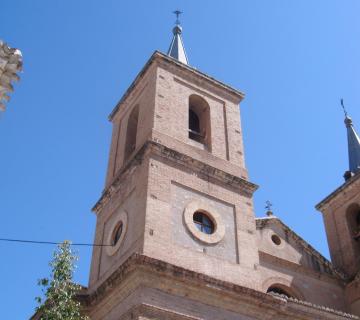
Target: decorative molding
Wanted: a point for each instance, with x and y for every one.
(202, 169)
(211, 83)
(271, 302)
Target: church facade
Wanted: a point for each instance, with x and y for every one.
(178, 218)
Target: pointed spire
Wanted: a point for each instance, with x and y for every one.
(353, 146)
(176, 49)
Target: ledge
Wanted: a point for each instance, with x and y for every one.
(269, 302)
(203, 169)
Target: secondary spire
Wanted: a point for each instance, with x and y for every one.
(177, 49)
(353, 146)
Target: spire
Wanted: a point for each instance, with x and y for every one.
(176, 49)
(353, 146)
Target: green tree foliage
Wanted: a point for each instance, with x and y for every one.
(59, 290)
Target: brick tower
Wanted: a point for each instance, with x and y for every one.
(341, 214)
(177, 188)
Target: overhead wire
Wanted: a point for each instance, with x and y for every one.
(54, 243)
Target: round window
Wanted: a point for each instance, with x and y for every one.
(276, 239)
(116, 235)
(116, 232)
(203, 222)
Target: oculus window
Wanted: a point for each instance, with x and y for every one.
(203, 222)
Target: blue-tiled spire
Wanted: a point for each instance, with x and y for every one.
(176, 49)
(353, 146)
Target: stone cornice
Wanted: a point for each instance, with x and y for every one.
(137, 261)
(338, 191)
(158, 268)
(148, 310)
(199, 167)
(157, 55)
(235, 94)
(202, 168)
(317, 307)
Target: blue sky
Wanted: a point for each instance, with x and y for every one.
(293, 59)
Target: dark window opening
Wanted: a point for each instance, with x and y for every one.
(278, 290)
(131, 132)
(199, 121)
(194, 126)
(117, 234)
(357, 227)
(276, 239)
(203, 222)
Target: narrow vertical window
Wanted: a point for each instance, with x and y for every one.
(194, 126)
(131, 132)
(353, 220)
(199, 120)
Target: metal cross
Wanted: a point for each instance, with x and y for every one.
(342, 104)
(268, 205)
(177, 13)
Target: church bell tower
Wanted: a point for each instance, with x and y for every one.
(341, 214)
(177, 189)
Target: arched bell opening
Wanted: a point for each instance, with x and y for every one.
(131, 133)
(199, 120)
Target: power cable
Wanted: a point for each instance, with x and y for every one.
(54, 243)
